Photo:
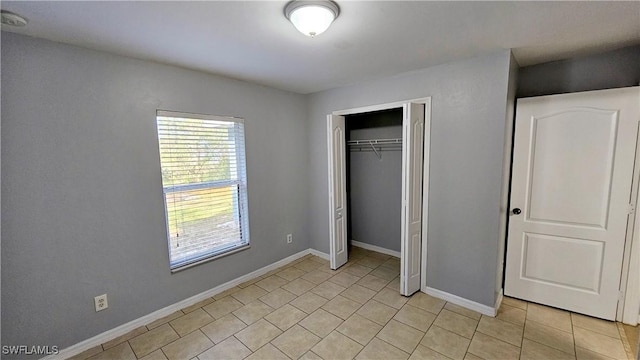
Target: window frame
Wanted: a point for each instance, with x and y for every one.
(240, 182)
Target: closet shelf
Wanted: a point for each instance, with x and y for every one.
(372, 144)
(368, 142)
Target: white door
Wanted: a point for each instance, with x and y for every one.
(411, 233)
(572, 171)
(337, 191)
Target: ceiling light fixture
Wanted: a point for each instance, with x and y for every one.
(311, 17)
(11, 19)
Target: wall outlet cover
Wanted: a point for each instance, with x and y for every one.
(101, 302)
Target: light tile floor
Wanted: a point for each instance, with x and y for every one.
(304, 310)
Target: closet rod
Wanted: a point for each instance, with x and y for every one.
(375, 141)
(371, 144)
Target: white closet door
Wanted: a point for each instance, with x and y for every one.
(412, 162)
(337, 191)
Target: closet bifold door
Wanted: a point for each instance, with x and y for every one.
(412, 162)
(337, 191)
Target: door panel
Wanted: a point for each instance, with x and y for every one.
(412, 161)
(572, 171)
(567, 199)
(551, 259)
(337, 191)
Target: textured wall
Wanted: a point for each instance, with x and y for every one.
(469, 104)
(613, 69)
(82, 209)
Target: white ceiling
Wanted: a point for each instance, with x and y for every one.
(253, 41)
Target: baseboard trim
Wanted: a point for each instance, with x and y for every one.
(460, 301)
(319, 254)
(375, 248)
(144, 320)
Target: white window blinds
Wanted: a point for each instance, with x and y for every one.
(204, 184)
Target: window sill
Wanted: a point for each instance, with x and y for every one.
(202, 261)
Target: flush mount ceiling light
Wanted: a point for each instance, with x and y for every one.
(311, 17)
(11, 19)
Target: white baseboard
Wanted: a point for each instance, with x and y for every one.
(319, 254)
(142, 321)
(375, 248)
(455, 299)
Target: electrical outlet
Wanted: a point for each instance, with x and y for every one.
(289, 239)
(101, 302)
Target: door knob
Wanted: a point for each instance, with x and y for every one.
(516, 211)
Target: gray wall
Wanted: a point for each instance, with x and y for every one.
(613, 69)
(469, 102)
(82, 209)
(375, 186)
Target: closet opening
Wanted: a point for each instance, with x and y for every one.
(370, 151)
(374, 180)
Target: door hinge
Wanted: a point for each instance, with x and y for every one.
(632, 208)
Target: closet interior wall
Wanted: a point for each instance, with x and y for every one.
(374, 179)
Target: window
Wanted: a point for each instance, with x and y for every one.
(205, 186)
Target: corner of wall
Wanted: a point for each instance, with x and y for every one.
(512, 82)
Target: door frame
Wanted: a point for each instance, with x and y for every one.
(630, 279)
(426, 101)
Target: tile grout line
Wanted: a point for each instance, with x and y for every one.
(474, 332)
(523, 327)
(625, 341)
